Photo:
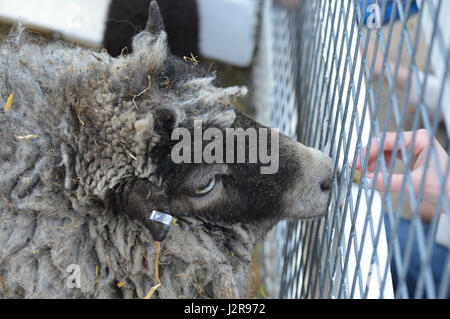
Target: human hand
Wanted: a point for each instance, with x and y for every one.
(421, 147)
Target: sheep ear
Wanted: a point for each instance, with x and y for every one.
(155, 22)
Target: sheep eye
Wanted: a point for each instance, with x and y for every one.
(207, 188)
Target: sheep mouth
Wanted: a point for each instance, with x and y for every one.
(314, 215)
(312, 218)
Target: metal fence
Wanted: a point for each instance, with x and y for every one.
(338, 75)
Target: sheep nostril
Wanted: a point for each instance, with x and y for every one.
(325, 186)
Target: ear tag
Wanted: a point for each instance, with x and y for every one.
(162, 218)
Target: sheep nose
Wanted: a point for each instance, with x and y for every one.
(323, 169)
(325, 185)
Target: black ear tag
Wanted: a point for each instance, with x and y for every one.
(159, 226)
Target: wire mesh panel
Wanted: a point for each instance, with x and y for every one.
(366, 82)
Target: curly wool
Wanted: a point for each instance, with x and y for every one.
(78, 126)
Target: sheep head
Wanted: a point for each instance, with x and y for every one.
(157, 93)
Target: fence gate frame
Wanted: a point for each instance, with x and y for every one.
(312, 70)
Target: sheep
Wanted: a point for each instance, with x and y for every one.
(85, 157)
(127, 17)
